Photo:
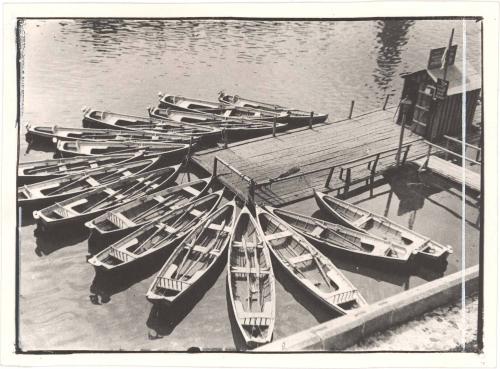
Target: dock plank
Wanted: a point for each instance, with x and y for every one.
(451, 171)
(304, 149)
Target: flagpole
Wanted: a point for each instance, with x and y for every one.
(447, 53)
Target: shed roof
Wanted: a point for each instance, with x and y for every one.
(454, 75)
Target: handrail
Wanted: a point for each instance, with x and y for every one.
(371, 156)
(431, 145)
(233, 169)
(453, 139)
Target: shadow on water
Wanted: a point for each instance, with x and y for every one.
(320, 312)
(108, 283)
(26, 218)
(54, 239)
(163, 319)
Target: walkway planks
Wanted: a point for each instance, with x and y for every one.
(302, 150)
(452, 171)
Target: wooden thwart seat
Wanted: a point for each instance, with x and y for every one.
(91, 181)
(192, 191)
(246, 270)
(316, 232)
(275, 236)
(300, 258)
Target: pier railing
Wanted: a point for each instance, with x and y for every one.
(433, 149)
(240, 184)
(452, 142)
(339, 176)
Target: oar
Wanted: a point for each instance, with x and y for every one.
(188, 251)
(340, 236)
(257, 266)
(113, 195)
(203, 254)
(323, 274)
(156, 206)
(36, 170)
(142, 248)
(247, 262)
(67, 185)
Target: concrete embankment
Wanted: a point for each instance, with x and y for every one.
(343, 332)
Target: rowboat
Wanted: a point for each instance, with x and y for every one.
(178, 104)
(146, 209)
(235, 128)
(70, 185)
(195, 256)
(344, 239)
(91, 148)
(90, 204)
(314, 271)
(197, 116)
(251, 281)
(41, 170)
(54, 133)
(156, 236)
(364, 221)
(296, 117)
(100, 119)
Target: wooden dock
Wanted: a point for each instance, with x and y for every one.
(287, 167)
(451, 171)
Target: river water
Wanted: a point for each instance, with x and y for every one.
(120, 65)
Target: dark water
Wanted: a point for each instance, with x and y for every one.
(121, 65)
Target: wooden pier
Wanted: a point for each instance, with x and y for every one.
(449, 170)
(331, 156)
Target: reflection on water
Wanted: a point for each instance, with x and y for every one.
(392, 36)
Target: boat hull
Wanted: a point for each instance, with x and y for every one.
(442, 251)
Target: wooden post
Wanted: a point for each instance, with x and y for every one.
(274, 126)
(329, 178)
(224, 135)
(386, 100)
(428, 157)
(311, 120)
(405, 155)
(214, 171)
(251, 191)
(405, 103)
(446, 53)
(447, 148)
(347, 180)
(190, 147)
(352, 108)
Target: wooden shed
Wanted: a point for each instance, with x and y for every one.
(433, 113)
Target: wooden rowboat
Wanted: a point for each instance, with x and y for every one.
(177, 104)
(147, 209)
(156, 236)
(54, 133)
(91, 148)
(250, 279)
(60, 188)
(195, 256)
(41, 170)
(235, 128)
(296, 117)
(90, 204)
(198, 117)
(344, 239)
(364, 221)
(314, 271)
(100, 119)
